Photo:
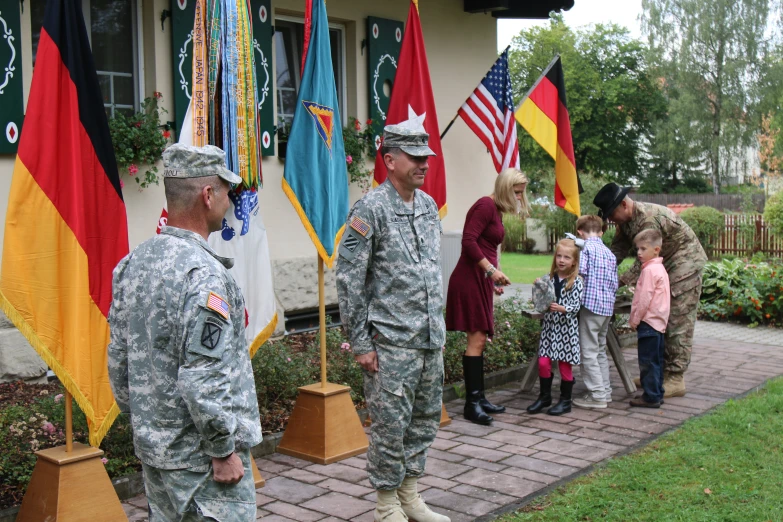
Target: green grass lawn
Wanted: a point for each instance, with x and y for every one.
(525, 268)
(724, 466)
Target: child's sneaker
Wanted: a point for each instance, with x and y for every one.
(587, 401)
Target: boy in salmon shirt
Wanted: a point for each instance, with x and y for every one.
(649, 316)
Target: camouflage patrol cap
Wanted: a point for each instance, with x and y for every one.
(188, 161)
(413, 142)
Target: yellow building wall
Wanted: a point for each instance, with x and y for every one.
(460, 48)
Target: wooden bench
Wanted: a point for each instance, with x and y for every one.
(621, 306)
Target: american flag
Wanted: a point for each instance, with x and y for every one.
(490, 113)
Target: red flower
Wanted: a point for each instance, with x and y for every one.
(157, 95)
(166, 134)
(369, 122)
(138, 124)
(357, 125)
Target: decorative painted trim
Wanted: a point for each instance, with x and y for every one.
(11, 132)
(377, 75)
(265, 63)
(183, 53)
(9, 69)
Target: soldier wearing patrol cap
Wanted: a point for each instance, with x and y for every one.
(684, 260)
(391, 304)
(178, 362)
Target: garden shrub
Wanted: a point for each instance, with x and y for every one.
(515, 342)
(280, 367)
(529, 246)
(773, 213)
(608, 236)
(30, 425)
(744, 291)
(516, 233)
(706, 223)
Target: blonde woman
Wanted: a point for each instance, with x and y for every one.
(469, 307)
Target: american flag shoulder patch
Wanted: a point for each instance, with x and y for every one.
(217, 304)
(361, 226)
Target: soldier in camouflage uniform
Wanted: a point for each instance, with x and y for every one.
(391, 304)
(178, 361)
(683, 258)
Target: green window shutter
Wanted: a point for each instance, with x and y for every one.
(384, 39)
(262, 51)
(183, 12)
(11, 90)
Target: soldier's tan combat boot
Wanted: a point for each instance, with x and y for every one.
(388, 507)
(638, 382)
(413, 505)
(673, 385)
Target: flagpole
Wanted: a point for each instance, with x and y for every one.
(322, 319)
(68, 421)
(449, 125)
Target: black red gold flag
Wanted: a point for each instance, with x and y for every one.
(544, 115)
(66, 226)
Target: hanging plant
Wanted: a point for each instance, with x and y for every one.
(139, 141)
(359, 146)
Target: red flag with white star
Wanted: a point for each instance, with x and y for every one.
(412, 99)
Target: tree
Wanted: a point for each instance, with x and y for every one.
(714, 51)
(672, 161)
(769, 158)
(611, 98)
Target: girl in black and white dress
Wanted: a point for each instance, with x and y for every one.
(560, 330)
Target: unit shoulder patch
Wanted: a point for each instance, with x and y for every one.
(210, 335)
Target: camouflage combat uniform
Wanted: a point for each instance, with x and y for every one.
(179, 364)
(391, 301)
(684, 259)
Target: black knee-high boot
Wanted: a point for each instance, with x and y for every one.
(471, 368)
(564, 406)
(544, 396)
(485, 404)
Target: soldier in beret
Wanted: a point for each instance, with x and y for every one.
(178, 361)
(391, 303)
(684, 260)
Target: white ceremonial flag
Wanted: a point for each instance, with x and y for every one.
(243, 238)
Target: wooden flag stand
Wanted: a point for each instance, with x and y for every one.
(445, 420)
(70, 483)
(258, 480)
(324, 426)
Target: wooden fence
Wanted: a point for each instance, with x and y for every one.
(722, 202)
(742, 235)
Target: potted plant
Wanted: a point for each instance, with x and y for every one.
(139, 140)
(359, 147)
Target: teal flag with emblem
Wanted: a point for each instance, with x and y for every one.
(316, 176)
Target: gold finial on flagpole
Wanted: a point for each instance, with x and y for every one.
(416, 3)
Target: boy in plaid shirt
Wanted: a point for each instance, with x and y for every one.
(598, 268)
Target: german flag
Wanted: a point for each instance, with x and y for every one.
(544, 115)
(66, 228)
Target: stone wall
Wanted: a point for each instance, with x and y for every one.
(18, 360)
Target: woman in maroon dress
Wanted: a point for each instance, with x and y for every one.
(469, 306)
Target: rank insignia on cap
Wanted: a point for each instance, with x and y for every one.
(217, 304)
(361, 226)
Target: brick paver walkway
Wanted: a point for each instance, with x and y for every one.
(475, 472)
